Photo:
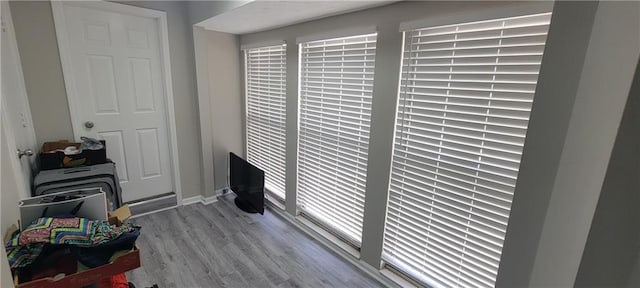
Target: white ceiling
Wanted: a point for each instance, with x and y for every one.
(261, 15)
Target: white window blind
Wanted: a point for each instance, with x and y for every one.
(464, 102)
(266, 114)
(336, 87)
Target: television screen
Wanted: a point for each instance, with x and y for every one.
(247, 181)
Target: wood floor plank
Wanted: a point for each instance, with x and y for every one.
(208, 244)
(217, 245)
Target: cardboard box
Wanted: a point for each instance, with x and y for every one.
(118, 216)
(123, 263)
(49, 159)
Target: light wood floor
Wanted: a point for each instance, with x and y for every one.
(218, 245)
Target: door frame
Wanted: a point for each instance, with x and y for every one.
(59, 20)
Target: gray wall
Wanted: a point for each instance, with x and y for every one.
(45, 84)
(227, 112)
(5, 277)
(201, 45)
(202, 10)
(218, 59)
(10, 196)
(634, 278)
(604, 87)
(556, 92)
(42, 70)
(614, 239)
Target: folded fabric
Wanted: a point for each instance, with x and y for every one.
(73, 231)
(76, 231)
(64, 262)
(99, 255)
(25, 247)
(21, 256)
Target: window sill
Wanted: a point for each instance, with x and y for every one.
(274, 201)
(398, 279)
(329, 237)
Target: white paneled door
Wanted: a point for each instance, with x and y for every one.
(115, 69)
(16, 114)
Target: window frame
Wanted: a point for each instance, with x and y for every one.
(392, 267)
(368, 32)
(273, 196)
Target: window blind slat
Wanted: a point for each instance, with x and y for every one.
(499, 189)
(336, 88)
(492, 182)
(265, 78)
(452, 254)
(465, 98)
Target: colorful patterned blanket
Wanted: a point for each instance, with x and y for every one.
(24, 247)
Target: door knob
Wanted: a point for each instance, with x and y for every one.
(26, 152)
(88, 124)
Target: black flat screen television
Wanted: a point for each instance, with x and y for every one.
(247, 181)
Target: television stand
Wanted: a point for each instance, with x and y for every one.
(244, 206)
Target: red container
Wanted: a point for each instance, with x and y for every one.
(124, 263)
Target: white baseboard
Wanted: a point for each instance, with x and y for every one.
(154, 211)
(202, 199)
(222, 191)
(192, 200)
